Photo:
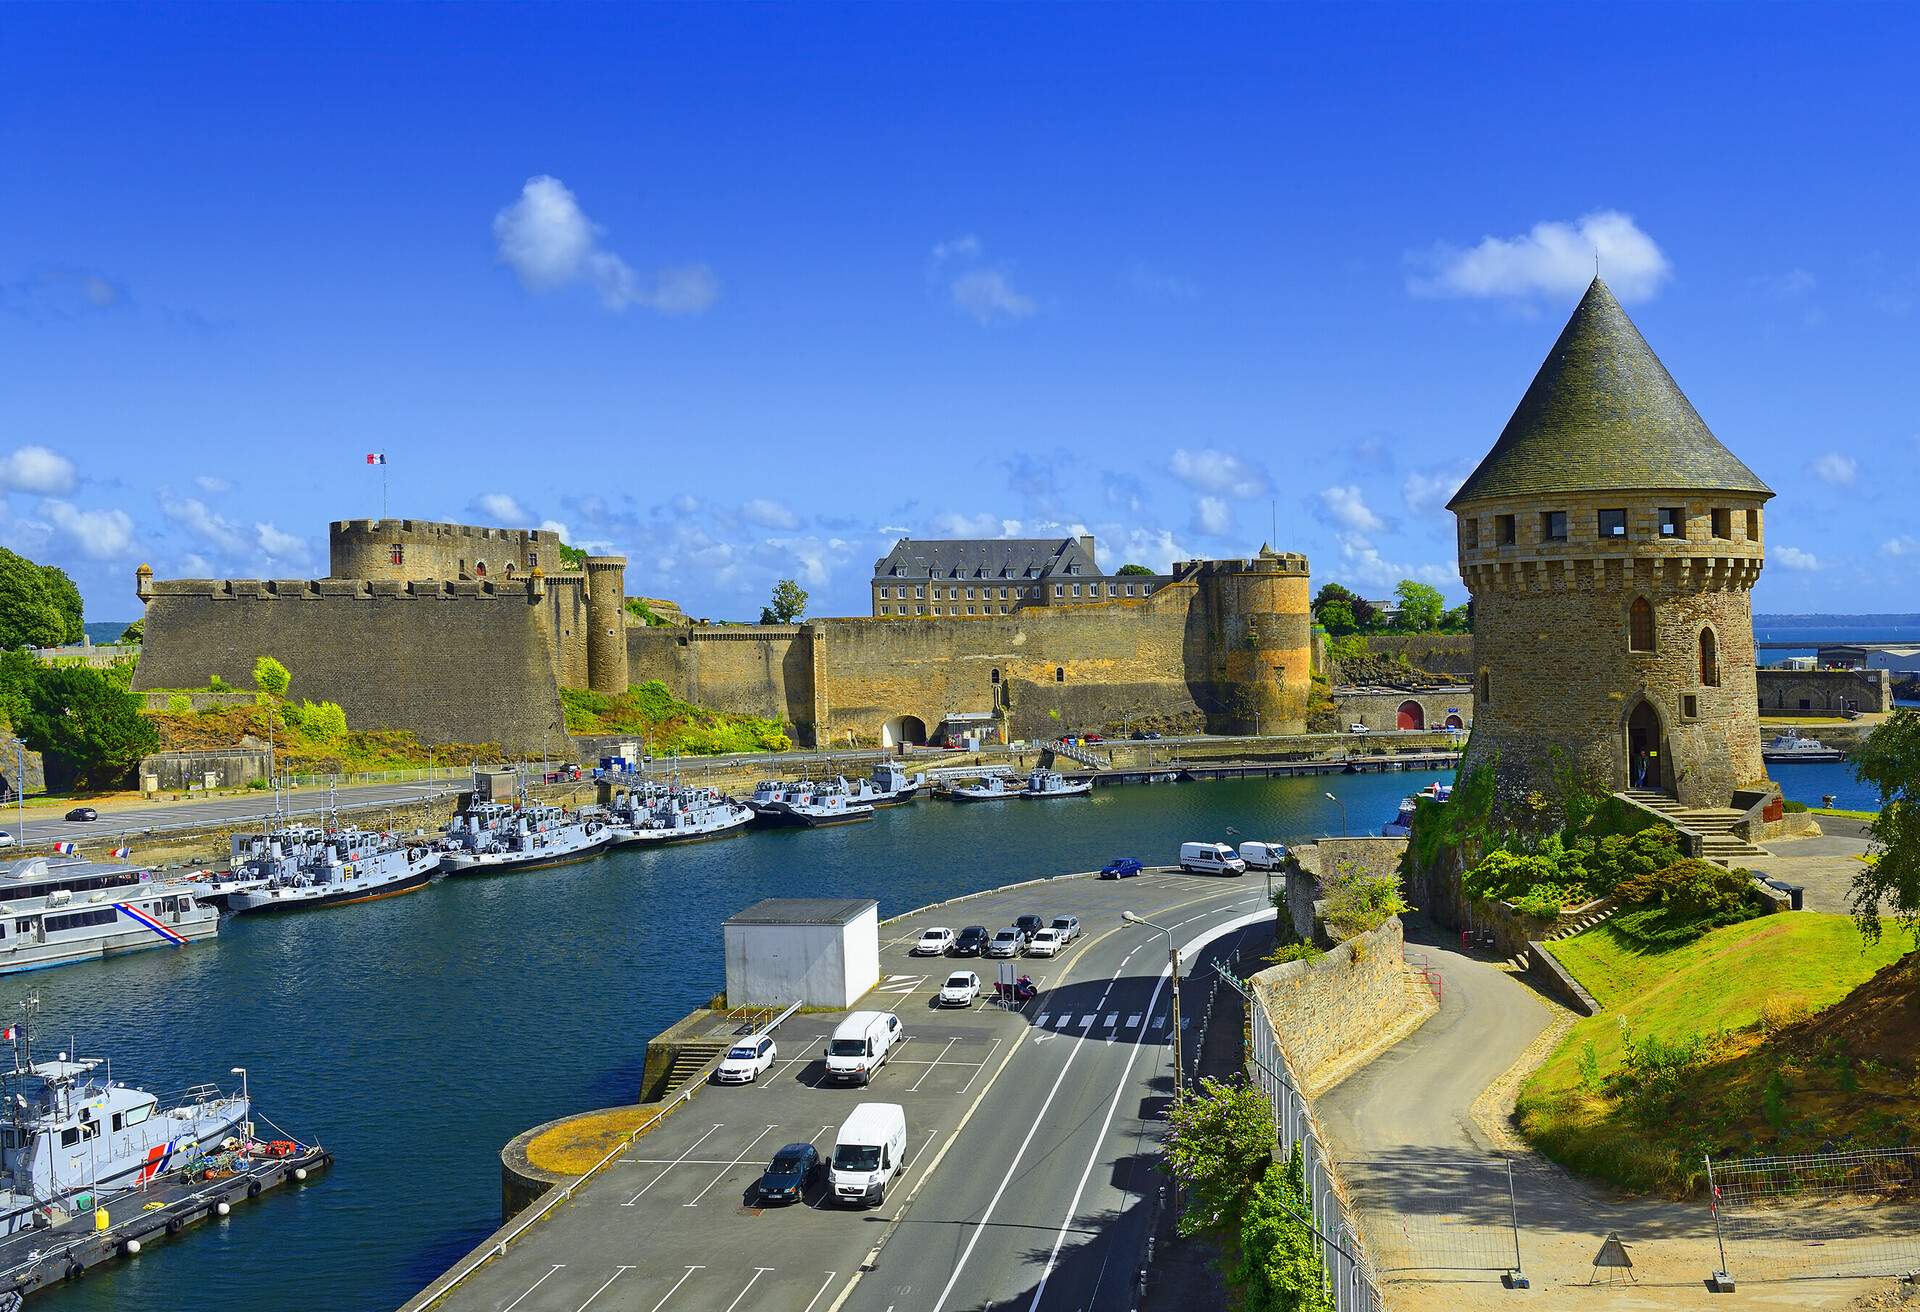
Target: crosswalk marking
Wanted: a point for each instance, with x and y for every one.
(1159, 1022)
(1087, 1020)
(1066, 1019)
(1041, 1019)
(1133, 1021)
(1113, 1018)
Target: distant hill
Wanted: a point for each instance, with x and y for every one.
(1833, 621)
(106, 630)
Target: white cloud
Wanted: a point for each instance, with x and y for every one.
(96, 534)
(988, 294)
(547, 239)
(559, 530)
(1154, 548)
(1794, 558)
(212, 485)
(502, 507)
(193, 515)
(1902, 545)
(1211, 516)
(810, 561)
(768, 513)
(1552, 259)
(1217, 472)
(1363, 564)
(1426, 489)
(953, 524)
(277, 545)
(1836, 468)
(960, 248)
(37, 469)
(1345, 506)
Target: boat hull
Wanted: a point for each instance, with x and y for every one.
(295, 899)
(676, 837)
(45, 956)
(464, 863)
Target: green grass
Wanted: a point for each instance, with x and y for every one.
(668, 724)
(1841, 811)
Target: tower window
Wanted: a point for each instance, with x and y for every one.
(1471, 528)
(479, 569)
(1640, 625)
(1709, 659)
(996, 676)
(397, 553)
(1753, 526)
(1503, 530)
(1486, 688)
(1673, 522)
(1059, 674)
(1553, 526)
(533, 560)
(1613, 523)
(1689, 707)
(1722, 522)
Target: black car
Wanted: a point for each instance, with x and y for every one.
(83, 813)
(1028, 926)
(786, 1178)
(1145, 735)
(971, 943)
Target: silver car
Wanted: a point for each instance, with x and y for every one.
(1006, 943)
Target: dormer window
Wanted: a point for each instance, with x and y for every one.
(1613, 524)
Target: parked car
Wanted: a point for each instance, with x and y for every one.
(1263, 856)
(1358, 728)
(1124, 867)
(933, 942)
(1043, 944)
(1065, 928)
(746, 1060)
(1211, 859)
(1092, 738)
(861, 1044)
(971, 943)
(1006, 943)
(7, 839)
(1028, 926)
(961, 988)
(83, 813)
(793, 1170)
(1145, 735)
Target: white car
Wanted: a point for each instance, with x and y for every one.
(1043, 944)
(1358, 728)
(6, 838)
(961, 988)
(747, 1059)
(933, 942)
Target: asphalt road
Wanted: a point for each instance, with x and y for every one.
(134, 821)
(1033, 1138)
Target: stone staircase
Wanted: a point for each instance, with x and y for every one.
(1718, 842)
(688, 1061)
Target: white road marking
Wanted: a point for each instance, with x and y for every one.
(617, 1273)
(663, 1175)
(915, 1086)
(982, 1066)
(757, 1273)
(735, 1162)
(676, 1285)
(817, 1133)
(1086, 1021)
(1133, 1021)
(767, 1081)
(530, 1288)
(1066, 1019)
(823, 1290)
(1113, 1018)
(1159, 1022)
(1041, 1038)
(1041, 1019)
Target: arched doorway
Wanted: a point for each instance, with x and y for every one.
(1412, 715)
(1455, 722)
(1646, 762)
(904, 731)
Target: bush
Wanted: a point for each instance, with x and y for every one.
(1792, 807)
(1656, 1073)
(1357, 902)
(1280, 1268)
(1295, 952)
(179, 703)
(1674, 906)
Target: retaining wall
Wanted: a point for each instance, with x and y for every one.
(1325, 1010)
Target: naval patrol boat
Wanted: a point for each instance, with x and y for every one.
(889, 785)
(535, 835)
(683, 815)
(342, 866)
(56, 913)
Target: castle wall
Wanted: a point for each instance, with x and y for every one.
(454, 662)
(606, 634)
(1803, 692)
(364, 549)
(564, 613)
(765, 671)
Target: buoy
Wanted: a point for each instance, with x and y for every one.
(222, 1207)
(299, 1172)
(133, 1248)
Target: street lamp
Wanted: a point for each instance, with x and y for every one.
(1173, 958)
(241, 1071)
(1343, 812)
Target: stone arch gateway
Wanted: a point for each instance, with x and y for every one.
(904, 731)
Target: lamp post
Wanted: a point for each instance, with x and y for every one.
(1343, 812)
(241, 1071)
(19, 746)
(1173, 959)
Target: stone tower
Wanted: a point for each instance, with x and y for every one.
(1611, 544)
(607, 624)
(1259, 627)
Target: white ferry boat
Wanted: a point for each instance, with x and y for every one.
(889, 785)
(537, 835)
(1788, 747)
(348, 865)
(56, 914)
(993, 788)
(684, 816)
(1051, 783)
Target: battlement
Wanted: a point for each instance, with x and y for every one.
(1267, 562)
(427, 549)
(526, 589)
(423, 530)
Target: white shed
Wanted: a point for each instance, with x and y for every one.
(821, 952)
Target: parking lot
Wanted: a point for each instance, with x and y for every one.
(675, 1223)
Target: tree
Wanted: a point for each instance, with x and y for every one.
(1220, 1145)
(93, 730)
(1330, 592)
(1458, 620)
(39, 606)
(1134, 570)
(1280, 1266)
(135, 632)
(572, 557)
(789, 603)
(1337, 617)
(1420, 606)
(1890, 761)
(271, 677)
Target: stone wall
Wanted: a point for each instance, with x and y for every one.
(1313, 866)
(765, 671)
(1379, 709)
(176, 772)
(1816, 692)
(1327, 1010)
(454, 662)
(364, 549)
(1434, 653)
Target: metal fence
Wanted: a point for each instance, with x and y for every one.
(1817, 1215)
(1446, 1217)
(1350, 1277)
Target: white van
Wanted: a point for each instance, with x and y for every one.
(1210, 859)
(869, 1151)
(1263, 856)
(861, 1045)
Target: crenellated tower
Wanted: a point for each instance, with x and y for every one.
(607, 624)
(1259, 640)
(1611, 544)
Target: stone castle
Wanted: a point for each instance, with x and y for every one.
(1611, 544)
(467, 634)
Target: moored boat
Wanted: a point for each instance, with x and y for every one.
(888, 785)
(1051, 783)
(685, 815)
(537, 835)
(348, 865)
(1786, 748)
(54, 914)
(816, 805)
(992, 788)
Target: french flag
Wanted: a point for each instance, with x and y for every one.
(122, 853)
(65, 849)
(376, 457)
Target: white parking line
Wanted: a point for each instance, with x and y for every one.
(530, 1288)
(663, 1175)
(757, 1273)
(617, 1273)
(676, 1285)
(981, 1066)
(915, 1086)
(736, 1161)
(823, 1290)
(817, 1133)
(767, 1080)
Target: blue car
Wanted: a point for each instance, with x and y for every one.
(793, 1169)
(1121, 868)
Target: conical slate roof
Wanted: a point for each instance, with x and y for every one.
(1603, 414)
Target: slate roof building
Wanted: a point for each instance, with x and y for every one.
(950, 577)
(1611, 543)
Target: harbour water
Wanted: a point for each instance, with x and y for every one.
(417, 1035)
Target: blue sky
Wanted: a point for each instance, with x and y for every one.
(748, 292)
